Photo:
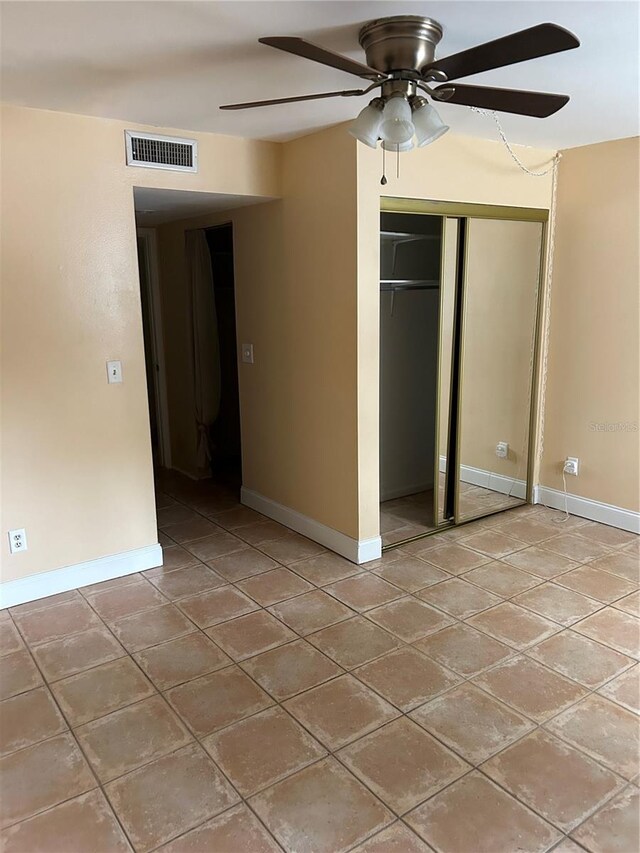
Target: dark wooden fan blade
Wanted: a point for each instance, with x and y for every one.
(538, 104)
(307, 50)
(541, 40)
(345, 94)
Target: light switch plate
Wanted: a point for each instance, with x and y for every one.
(114, 371)
(247, 353)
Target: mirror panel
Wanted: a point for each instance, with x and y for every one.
(500, 302)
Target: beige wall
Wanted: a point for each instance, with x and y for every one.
(295, 263)
(455, 168)
(76, 461)
(593, 372)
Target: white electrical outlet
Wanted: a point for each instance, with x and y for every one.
(502, 449)
(17, 540)
(571, 465)
(114, 372)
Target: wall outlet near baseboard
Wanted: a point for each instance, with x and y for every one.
(571, 465)
(17, 540)
(502, 449)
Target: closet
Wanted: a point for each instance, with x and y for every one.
(459, 305)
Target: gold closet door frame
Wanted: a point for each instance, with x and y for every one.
(464, 210)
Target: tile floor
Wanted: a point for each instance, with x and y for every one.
(475, 691)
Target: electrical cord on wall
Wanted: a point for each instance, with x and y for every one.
(546, 308)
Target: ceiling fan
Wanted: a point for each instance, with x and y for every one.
(400, 61)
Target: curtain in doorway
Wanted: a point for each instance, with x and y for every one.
(205, 348)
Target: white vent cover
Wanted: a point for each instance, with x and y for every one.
(153, 151)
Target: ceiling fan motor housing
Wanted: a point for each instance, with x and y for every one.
(400, 43)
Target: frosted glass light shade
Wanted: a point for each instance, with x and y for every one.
(396, 126)
(401, 146)
(428, 124)
(366, 128)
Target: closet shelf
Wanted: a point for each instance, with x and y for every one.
(409, 284)
(407, 235)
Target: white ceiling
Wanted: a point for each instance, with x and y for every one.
(156, 206)
(172, 64)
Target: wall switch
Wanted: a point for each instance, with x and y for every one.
(571, 464)
(502, 449)
(114, 371)
(247, 353)
(17, 540)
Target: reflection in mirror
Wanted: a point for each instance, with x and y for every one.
(502, 273)
(410, 247)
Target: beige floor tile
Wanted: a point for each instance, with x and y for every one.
(242, 564)
(502, 579)
(614, 628)
(455, 559)
(290, 669)
(321, 809)
(567, 846)
(493, 543)
(606, 535)
(354, 642)
(101, 690)
(216, 700)
(235, 831)
(19, 674)
(471, 722)
(458, 598)
(77, 653)
(621, 563)
(146, 629)
(340, 711)
(238, 517)
(10, 640)
(576, 547)
(216, 545)
(126, 739)
(181, 660)
(41, 776)
(409, 619)
(187, 531)
(364, 591)
(124, 600)
(257, 752)
(217, 605)
(395, 839)
(249, 635)
(191, 580)
(625, 689)
(603, 730)
(174, 514)
(311, 612)
(402, 764)
(554, 779)
(175, 557)
(514, 625)
(84, 823)
(50, 600)
(463, 649)
(530, 688)
(539, 562)
(596, 583)
(630, 604)
(169, 796)
(580, 658)
(528, 529)
(290, 548)
(411, 573)
(272, 587)
(325, 568)
(475, 816)
(27, 719)
(615, 828)
(263, 531)
(56, 621)
(557, 603)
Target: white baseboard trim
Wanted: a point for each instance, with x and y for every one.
(615, 516)
(43, 584)
(358, 551)
(489, 480)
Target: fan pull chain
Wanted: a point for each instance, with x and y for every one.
(383, 179)
(397, 161)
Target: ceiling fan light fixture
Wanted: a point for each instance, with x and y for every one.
(400, 147)
(397, 126)
(366, 127)
(428, 124)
